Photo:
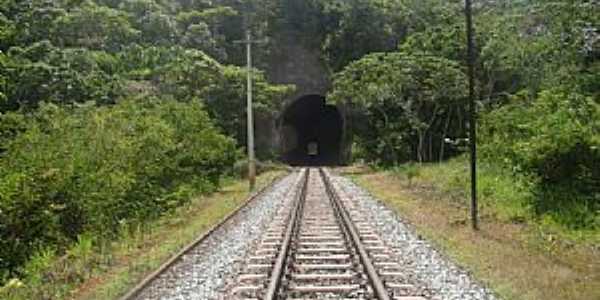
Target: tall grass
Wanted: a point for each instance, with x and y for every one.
(502, 194)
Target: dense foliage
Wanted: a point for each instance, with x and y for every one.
(68, 52)
(93, 170)
(410, 102)
(114, 113)
(537, 86)
(556, 139)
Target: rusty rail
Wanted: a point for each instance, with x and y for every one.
(135, 291)
(279, 267)
(374, 279)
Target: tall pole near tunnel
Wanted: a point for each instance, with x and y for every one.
(472, 112)
(250, 118)
(249, 114)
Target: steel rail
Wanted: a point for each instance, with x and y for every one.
(376, 282)
(135, 291)
(279, 267)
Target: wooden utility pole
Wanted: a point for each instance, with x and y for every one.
(472, 112)
(250, 119)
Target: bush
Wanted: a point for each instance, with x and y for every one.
(240, 168)
(556, 138)
(94, 169)
(409, 170)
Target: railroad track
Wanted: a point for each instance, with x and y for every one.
(309, 235)
(320, 246)
(147, 283)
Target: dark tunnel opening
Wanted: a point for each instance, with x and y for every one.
(311, 132)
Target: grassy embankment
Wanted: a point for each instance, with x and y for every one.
(518, 254)
(108, 271)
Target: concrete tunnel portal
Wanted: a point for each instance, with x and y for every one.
(309, 120)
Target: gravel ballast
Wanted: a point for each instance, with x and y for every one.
(203, 271)
(422, 262)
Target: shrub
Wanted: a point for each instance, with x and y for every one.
(556, 138)
(93, 169)
(240, 168)
(410, 171)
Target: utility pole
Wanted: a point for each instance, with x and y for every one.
(250, 120)
(472, 112)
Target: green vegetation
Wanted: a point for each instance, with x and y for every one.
(114, 113)
(517, 256)
(93, 268)
(503, 196)
(554, 140)
(539, 100)
(407, 101)
(67, 52)
(93, 170)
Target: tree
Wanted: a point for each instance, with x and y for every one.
(45, 73)
(33, 19)
(156, 25)
(8, 33)
(225, 98)
(94, 27)
(411, 102)
(198, 36)
(360, 27)
(4, 80)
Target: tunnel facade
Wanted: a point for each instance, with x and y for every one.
(311, 132)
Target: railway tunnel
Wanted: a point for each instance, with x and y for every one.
(309, 120)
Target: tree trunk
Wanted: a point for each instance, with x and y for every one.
(445, 132)
(430, 155)
(427, 129)
(420, 147)
(388, 143)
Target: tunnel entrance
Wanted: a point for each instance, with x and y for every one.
(311, 132)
